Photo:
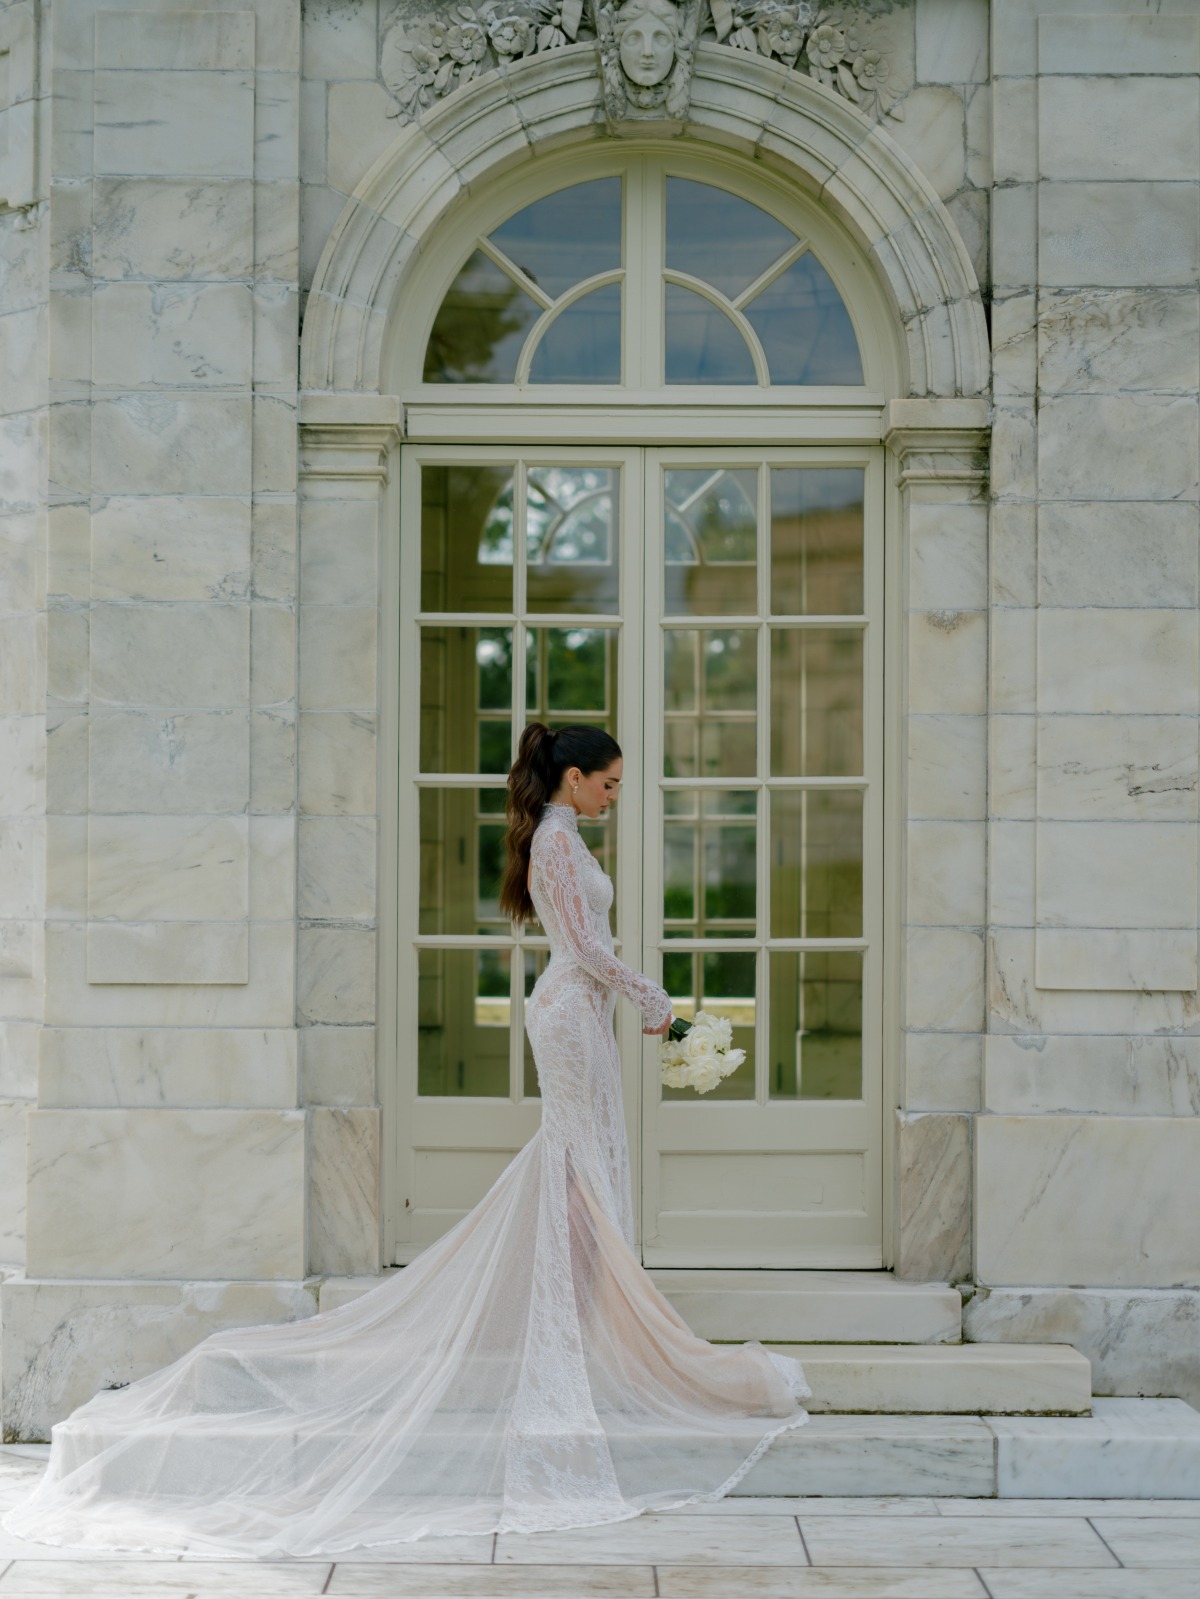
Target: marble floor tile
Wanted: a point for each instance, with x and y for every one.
(1050, 1583)
(680, 1540)
(809, 1582)
(138, 1579)
(735, 1506)
(1152, 1540)
(1186, 1509)
(946, 1541)
(354, 1581)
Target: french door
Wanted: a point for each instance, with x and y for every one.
(720, 612)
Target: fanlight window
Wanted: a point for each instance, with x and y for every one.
(543, 298)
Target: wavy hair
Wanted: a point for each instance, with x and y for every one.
(542, 758)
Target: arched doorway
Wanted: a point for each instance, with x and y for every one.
(903, 275)
(718, 605)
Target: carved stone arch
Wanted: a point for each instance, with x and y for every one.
(792, 124)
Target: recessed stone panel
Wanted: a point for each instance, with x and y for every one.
(167, 868)
(159, 1067)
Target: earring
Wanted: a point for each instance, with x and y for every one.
(574, 788)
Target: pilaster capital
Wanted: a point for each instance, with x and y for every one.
(346, 437)
(939, 440)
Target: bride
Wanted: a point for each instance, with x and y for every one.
(522, 1374)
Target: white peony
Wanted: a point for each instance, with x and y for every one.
(702, 1057)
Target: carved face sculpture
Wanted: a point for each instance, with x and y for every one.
(646, 32)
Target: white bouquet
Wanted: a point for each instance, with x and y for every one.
(698, 1054)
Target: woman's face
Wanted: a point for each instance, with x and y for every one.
(647, 49)
(597, 790)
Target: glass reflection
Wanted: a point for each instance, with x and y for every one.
(721, 982)
(570, 235)
(571, 675)
(816, 1024)
(719, 237)
(571, 538)
(583, 343)
(710, 687)
(704, 345)
(816, 702)
(466, 538)
(817, 541)
(711, 546)
(804, 327)
(466, 699)
(463, 1020)
(461, 860)
(816, 863)
(480, 327)
(710, 864)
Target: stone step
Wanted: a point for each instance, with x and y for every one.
(832, 1307)
(947, 1379)
(855, 1307)
(1126, 1449)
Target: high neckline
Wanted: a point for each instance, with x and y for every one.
(565, 811)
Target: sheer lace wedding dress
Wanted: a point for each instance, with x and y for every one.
(522, 1374)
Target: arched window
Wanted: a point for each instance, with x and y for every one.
(542, 298)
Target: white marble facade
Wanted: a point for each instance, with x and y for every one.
(190, 717)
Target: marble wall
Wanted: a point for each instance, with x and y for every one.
(191, 709)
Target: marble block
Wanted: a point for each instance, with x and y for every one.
(946, 767)
(166, 1193)
(1147, 958)
(168, 1066)
(186, 762)
(337, 1065)
(945, 869)
(170, 547)
(337, 763)
(64, 1341)
(197, 40)
(1117, 234)
(1127, 1449)
(1116, 42)
(934, 1176)
(168, 868)
(1092, 341)
(1135, 446)
(1117, 768)
(168, 229)
(13, 1114)
(337, 869)
(1036, 1074)
(942, 1071)
(1095, 660)
(1116, 874)
(343, 1190)
(947, 661)
(335, 974)
(860, 1455)
(1012, 856)
(1119, 128)
(172, 335)
(146, 953)
(1142, 1342)
(944, 979)
(337, 658)
(173, 656)
(160, 443)
(1079, 1199)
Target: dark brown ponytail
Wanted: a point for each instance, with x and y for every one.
(542, 758)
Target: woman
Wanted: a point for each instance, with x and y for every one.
(522, 1374)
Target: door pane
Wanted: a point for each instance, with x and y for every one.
(710, 683)
(709, 864)
(816, 702)
(815, 1007)
(461, 860)
(571, 675)
(572, 538)
(817, 541)
(466, 699)
(710, 552)
(816, 863)
(722, 983)
(463, 1019)
(466, 538)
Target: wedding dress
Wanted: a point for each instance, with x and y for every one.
(522, 1374)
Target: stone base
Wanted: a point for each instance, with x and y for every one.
(62, 1341)
(1142, 1342)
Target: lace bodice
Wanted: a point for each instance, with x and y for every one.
(573, 894)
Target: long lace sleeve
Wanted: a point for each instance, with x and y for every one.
(556, 861)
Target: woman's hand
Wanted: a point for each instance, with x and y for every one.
(659, 1031)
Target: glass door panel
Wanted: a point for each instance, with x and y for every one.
(763, 896)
